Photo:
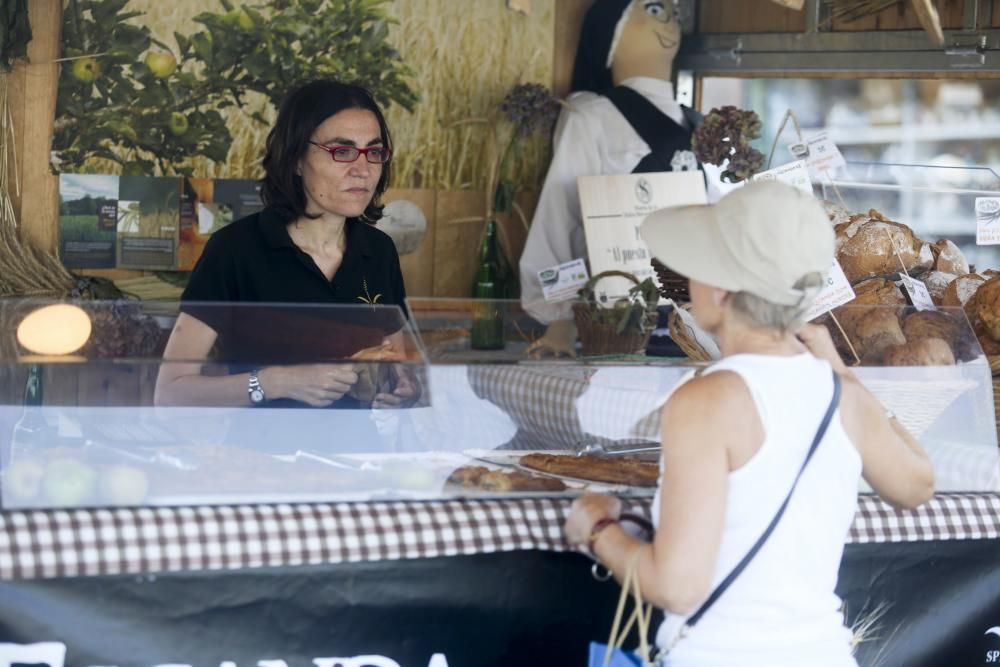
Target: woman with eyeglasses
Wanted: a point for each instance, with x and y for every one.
(326, 168)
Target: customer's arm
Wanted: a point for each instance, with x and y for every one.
(180, 380)
(702, 423)
(894, 463)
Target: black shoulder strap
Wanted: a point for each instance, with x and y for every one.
(721, 588)
(662, 134)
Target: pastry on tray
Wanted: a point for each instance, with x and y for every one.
(483, 479)
(610, 470)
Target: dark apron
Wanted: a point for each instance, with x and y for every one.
(665, 137)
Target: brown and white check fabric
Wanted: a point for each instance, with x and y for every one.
(70, 543)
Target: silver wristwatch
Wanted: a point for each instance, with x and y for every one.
(254, 389)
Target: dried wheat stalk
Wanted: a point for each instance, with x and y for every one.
(24, 270)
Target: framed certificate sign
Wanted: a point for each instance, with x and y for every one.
(614, 207)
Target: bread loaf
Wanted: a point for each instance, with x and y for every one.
(923, 352)
(865, 247)
(948, 258)
(985, 307)
(873, 292)
(961, 290)
(937, 282)
(877, 330)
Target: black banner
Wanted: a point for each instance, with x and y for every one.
(938, 600)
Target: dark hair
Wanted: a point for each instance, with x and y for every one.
(301, 113)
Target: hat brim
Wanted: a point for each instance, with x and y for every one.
(687, 240)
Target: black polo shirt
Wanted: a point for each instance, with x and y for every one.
(255, 260)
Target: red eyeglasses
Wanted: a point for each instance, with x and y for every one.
(374, 154)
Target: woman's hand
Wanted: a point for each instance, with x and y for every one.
(817, 340)
(318, 385)
(406, 393)
(587, 510)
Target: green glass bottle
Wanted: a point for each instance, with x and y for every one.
(491, 284)
(29, 431)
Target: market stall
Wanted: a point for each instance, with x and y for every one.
(138, 534)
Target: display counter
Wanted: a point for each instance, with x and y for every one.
(325, 535)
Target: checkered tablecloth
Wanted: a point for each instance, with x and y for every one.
(70, 543)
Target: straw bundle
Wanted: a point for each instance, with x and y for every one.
(24, 270)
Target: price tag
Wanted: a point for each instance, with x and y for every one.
(561, 283)
(916, 293)
(987, 220)
(819, 152)
(794, 173)
(837, 292)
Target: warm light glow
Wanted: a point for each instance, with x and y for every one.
(55, 330)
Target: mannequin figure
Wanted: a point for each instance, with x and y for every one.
(621, 77)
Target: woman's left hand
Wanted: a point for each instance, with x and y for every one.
(406, 393)
(587, 510)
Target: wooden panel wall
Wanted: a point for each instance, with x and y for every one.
(746, 16)
(750, 16)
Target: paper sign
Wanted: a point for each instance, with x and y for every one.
(613, 209)
(561, 283)
(916, 293)
(794, 173)
(819, 152)
(837, 292)
(987, 220)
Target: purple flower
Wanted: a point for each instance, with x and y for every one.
(529, 107)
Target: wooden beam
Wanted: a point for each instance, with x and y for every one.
(568, 20)
(40, 196)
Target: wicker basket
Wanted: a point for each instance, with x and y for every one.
(602, 338)
(672, 285)
(684, 337)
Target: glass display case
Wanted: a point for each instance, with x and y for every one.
(934, 201)
(96, 423)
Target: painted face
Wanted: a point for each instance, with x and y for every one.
(341, 188)
(652, 31)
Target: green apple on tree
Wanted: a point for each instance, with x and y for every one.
(86, 69)
(178, 124)
(69, 482)
(161, 63)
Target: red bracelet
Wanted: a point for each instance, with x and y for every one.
(595, 531)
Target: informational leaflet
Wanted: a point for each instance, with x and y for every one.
(987, 220)
(795, 174)
(916, 293)
(820, 153)
(837, 292)
(613, 209)
(561, 283)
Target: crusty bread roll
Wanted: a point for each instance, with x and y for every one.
(948, 258)
(961, 289)
(937, 282)
(837, 213)
(865, 247)
(877, 330)
(990, 347)
(923, 352)
(930, 324)
(872, 292)
(984, 307)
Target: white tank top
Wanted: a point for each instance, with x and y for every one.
(782, 610)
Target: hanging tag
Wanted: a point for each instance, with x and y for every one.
(820, 153)
(561, 283)
(794, 173)
(837, 292)
(987, 220)
(916, 293)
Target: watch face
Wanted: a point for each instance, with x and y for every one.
(257, 396)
